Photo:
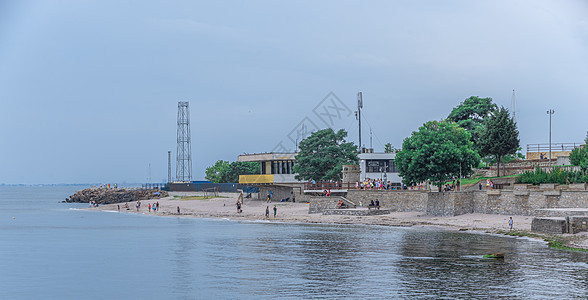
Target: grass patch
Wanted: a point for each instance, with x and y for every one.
(474, 180)
(554, 243)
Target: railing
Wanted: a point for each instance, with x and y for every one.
(554, 147)
(329, 185)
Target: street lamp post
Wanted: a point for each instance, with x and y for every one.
(550, 112)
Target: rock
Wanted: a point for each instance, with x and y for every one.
(109, 196)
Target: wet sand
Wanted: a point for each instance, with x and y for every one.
(254, 209)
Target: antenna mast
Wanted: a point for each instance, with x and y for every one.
(359, 107)
(514, 114)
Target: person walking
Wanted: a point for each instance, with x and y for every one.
(275, 211)
(510, 224)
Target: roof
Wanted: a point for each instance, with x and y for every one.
(267, 156)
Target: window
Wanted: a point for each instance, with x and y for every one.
(380, 166)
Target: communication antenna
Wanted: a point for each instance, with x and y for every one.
(359, 107)
(371, 146)
(184, 148)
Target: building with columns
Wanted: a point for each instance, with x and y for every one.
(276, 168)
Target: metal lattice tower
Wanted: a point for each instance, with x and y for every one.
(184, 149)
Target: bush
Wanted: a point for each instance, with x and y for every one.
(557, 175)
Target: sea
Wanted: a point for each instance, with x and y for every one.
(54, 250)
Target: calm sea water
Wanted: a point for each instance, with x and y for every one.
(50, 250)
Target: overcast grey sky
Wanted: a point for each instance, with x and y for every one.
(89, 89)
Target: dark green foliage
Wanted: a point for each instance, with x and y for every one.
(579, 156)
(500, 136)
(213, 173)
(225, 172)
(470, 115)
(323, 154)
(436, 152)
(557, 175)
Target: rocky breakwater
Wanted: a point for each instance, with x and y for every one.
(109, 196)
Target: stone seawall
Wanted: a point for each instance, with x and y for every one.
(393, 200)
(516, 202)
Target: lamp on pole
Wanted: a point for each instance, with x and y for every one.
(550, 112)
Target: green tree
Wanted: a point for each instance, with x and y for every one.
(322, 155)
(470, 115)
(500, 136)
(437, 152)
(225, 172)
(214, 172)
(388, 148)
(579, 156)
(236, 168)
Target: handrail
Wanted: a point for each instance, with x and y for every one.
(554, 147)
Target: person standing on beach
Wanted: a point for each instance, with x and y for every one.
(118, 206)
(267, 211)
(510, 224)
(149, 207)
(178, 210)
(275, 211)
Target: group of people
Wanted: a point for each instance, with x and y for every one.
(373, 184)
(489, 184)
(154, 206)
(267, 211)
(340, 204)
(93, 204)
(454, 186)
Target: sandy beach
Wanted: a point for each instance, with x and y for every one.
(225, 207)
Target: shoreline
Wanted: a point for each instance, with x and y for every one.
(224, 207)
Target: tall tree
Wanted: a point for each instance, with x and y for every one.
(437, 152)
(323, 154)
(470, 115)
(579, 156)
(500, 136)
(214, 172)
(225, 172)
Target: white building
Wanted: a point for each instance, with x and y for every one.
(276, 168)
(379, 166)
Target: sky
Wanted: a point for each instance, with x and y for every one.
(89, 90)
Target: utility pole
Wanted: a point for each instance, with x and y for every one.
(514, 114)
(169, 167)
(149, 174)
(550, 112)
(359, 107)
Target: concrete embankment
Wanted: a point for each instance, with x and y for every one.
(109, 196)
